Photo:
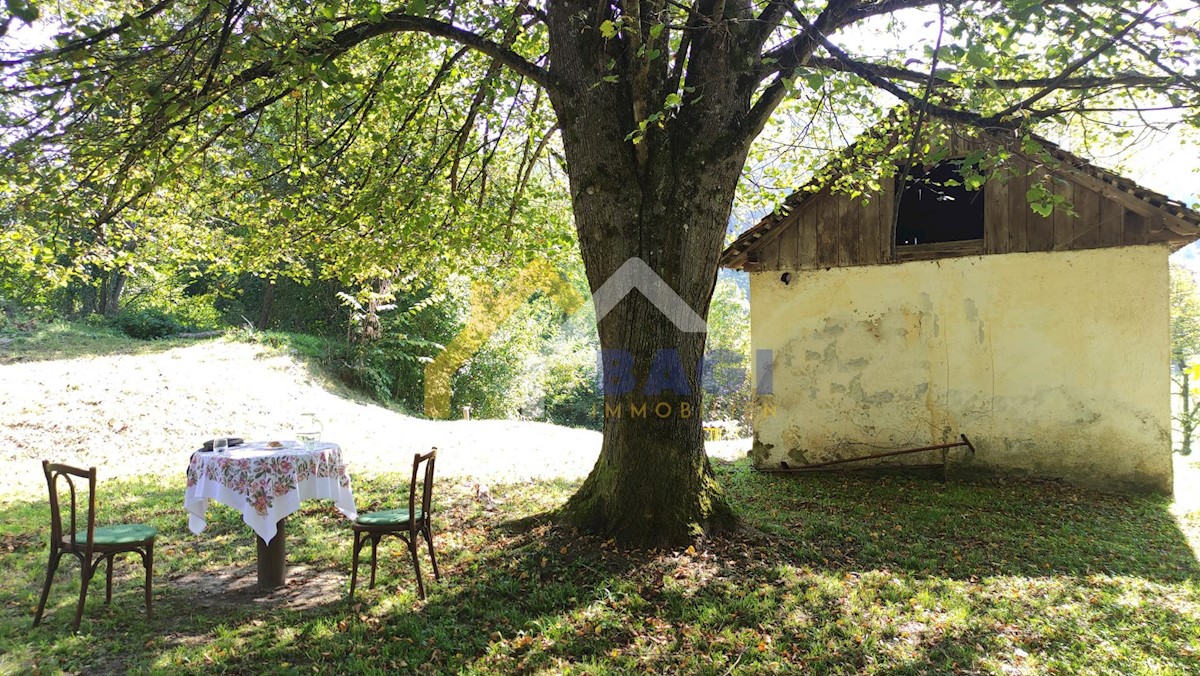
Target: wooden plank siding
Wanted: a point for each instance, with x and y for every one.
(1086, 228)
(847, 229)
(1135, 227)
(1039, 229)
(827, 230)
(808, 237)
(1111, 223)
(1062, 220)
(1018, 208)
(887, 214)
(995, 217)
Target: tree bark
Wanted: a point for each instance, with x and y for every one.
(112, 285)
(666, 200)
(264, 310)
(1187, 417)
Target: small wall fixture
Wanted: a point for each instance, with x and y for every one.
(786, 278)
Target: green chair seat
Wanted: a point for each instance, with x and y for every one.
(121, 534)
(387, 517)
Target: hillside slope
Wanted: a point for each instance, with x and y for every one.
(146, 413)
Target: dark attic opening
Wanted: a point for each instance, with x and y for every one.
(937, 207)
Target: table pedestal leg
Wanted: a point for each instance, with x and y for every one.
(271, 559)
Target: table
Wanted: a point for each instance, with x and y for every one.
(266, 484)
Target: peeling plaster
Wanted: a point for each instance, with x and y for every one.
(1053, 363)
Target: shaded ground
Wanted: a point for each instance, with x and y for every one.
(833, 574)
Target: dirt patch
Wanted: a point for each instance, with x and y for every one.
(233, 588)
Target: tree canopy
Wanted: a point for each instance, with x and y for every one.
(364, 133)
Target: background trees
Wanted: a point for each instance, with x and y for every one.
(1185, 345)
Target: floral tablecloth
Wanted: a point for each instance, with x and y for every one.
(265, 483)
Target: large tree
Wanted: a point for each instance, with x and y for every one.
(657, 105)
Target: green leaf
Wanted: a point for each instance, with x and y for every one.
(977, 58)
(608, 29)
(23, 9)
(672, 100)
(656, 30)
(416, 7)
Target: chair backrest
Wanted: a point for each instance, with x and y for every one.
(426, 485)
(55, 472)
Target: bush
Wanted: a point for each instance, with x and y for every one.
(145, 324)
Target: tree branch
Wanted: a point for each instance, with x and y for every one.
(792, 52)
(396, 22)
(1132, 79)
(897, 91)
(1075, 65)
(93, 39)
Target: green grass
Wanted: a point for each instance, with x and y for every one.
(314, 348)
(832, 574)
(60, 339)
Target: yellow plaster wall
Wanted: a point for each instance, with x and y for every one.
(1054, 364)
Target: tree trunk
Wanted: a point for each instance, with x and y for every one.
(264, 309)
(652, 484)
(665, 200)
(1187, 417)
(112, 285)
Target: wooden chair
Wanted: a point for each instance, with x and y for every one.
(405, 524)
(90, 545)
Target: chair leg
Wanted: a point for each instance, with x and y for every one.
(108, 561)
(148, 564)
(432, 555)
(87, 568)
(374, 557)
(412, 548)
(358, 543)
(51, 567)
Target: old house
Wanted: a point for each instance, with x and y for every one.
(1043, 338)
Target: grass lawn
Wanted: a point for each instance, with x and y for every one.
(833, 574)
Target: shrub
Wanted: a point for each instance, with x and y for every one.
(145, 324)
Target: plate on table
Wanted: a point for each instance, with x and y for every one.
(233, 441)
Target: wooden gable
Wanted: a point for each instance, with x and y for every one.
(822, 229)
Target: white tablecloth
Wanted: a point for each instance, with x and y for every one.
(266, 484)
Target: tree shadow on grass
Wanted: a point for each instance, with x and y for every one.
(1012, 592)
(963, 529)
(893, 576)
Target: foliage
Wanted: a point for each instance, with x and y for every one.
(1065, 581)
(146, 324)
(727, 373)
(503, 379)
(573, 395)
(391, 367)
(1185, 315)
(1185, 346)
